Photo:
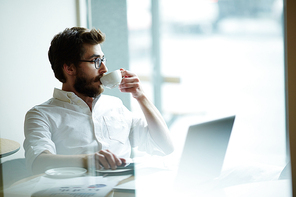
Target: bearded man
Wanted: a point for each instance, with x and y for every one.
(81, 127)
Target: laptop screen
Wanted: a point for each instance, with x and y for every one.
(204, 150)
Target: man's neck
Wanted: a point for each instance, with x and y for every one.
(88, 100)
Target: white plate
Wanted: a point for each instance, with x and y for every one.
(65, 172)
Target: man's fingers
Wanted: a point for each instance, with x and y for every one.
(131, 85)
(123, 162)
(117, 161)
(126, 73)
(101, 161)
(107, 159)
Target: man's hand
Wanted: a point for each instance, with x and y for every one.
(106, 159)
(131, 83)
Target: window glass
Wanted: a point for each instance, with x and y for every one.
(218, 58)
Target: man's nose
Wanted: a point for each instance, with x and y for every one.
(103, 68)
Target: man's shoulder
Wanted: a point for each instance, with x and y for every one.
(43, 105)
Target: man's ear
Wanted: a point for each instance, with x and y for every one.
(69, 70)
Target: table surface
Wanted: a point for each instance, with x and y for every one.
(8, 147)
(257, 189)
(33, 180)
(151, 180)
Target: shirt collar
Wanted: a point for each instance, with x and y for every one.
(71, 97)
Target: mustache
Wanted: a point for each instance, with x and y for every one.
(98, 77)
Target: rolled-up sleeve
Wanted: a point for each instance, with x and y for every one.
(37, 136)
(141, 138)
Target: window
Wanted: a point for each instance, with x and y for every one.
(216, 58)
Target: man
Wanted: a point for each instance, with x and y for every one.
(80, 127)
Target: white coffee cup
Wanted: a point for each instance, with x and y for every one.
(112, 79)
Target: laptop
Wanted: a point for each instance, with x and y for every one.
(204, 152)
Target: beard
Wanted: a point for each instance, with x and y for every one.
(85, 86)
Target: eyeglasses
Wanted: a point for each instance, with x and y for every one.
(98, 62)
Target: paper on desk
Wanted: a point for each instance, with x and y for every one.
(82, 186)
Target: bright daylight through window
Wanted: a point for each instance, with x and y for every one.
(217, 58)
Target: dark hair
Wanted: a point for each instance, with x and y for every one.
(67, 48)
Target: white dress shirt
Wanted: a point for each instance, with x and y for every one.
(65, 125)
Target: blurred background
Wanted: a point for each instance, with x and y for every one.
(198, 60)
(215, 58)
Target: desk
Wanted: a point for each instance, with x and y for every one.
(31, 185)
(276, 188)
(8, 147)
(152, 181)
(122, 193)
(42, 185)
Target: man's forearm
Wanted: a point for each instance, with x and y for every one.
(47, 160)
(157, 126)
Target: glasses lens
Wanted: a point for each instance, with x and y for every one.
(98, 62)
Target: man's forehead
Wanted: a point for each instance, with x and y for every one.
(93, 50)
